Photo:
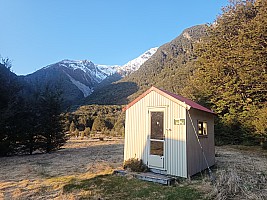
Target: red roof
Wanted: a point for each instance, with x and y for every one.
(169, 94)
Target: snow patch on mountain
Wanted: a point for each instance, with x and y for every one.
(85, 65)
(99, 75)
(85, 75)
(108, 69)
(73, 64)
(135, 64)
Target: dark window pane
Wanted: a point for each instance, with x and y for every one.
(157, 128)
(156, 148)
(200, 128)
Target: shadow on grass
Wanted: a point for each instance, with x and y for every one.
(121, 187)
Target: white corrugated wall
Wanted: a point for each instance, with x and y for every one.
(137, 136)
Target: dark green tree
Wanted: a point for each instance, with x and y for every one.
(9, 104)
(231, 69)
(50, 127)
(82, 122)
(119, 125)
(24, 122)
(27, 122)
(99, 124)
(87, 131)
(260, 125)
(76, 132)
(72, 127)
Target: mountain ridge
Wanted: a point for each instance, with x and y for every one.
(77, 79)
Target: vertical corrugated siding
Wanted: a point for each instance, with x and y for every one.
(196, 162)
(137, 136)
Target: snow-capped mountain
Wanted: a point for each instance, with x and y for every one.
(135, 64)
(77, 79)
(107, 69)
(96, 72)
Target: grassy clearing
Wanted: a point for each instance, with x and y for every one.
(42, 176)
(82, 170)
(120, 187)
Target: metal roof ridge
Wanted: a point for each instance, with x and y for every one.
(165, 93)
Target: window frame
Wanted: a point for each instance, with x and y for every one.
(204, 128)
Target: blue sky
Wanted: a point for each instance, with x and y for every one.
(37, 33)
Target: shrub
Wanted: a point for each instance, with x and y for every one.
(87, 131)
(264, 145)
(82, 135)
(98, 124)
(135, 165)
(72, 127)
(76, 133)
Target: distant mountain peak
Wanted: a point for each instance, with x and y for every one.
(68, 61)
(79, 78)
(135, 64)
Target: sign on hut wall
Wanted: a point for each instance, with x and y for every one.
(179, 121)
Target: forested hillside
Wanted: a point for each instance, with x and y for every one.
(92, 119)
(231, 75)
(171, 65)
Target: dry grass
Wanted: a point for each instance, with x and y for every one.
(241, 172)
(127, 187)
(42, 176)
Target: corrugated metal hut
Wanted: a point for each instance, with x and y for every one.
(171, 134)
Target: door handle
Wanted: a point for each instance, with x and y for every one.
(168, 129)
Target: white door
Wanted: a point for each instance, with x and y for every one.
(156, 139)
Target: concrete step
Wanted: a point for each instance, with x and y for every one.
(156, 178)
(158, 171)
(149, 176)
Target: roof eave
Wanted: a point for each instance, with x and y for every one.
(183, 104)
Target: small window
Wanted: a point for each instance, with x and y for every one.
(156, 148)
(202, 128)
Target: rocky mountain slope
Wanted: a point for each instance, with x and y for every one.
(168, 68)
(73, 78)
(78, 79)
